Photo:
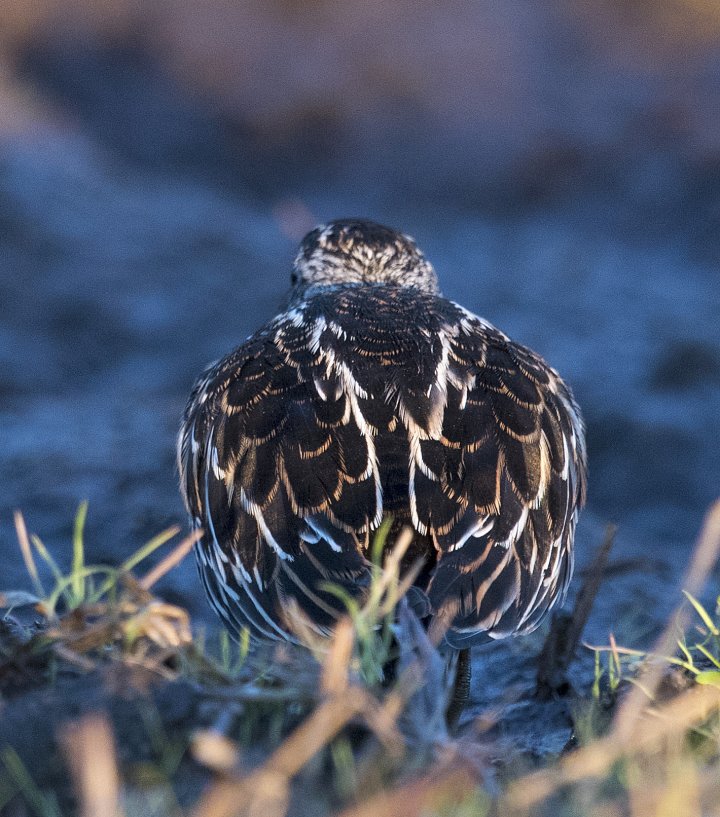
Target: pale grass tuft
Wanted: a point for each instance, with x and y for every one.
(94, 607)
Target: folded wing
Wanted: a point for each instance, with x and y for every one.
(278, 474)
(499, 488)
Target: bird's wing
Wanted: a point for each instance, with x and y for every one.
(276, 469)
(499, 487)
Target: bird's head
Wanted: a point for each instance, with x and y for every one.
(353, 251)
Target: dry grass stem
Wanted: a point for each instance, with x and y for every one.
(391, 573)
(316, 731)
(90, 751)
(215, 751)
(265, 791)
(636, 729)
(342, 681)
(170, 561)
(73, 658)
(587, 594)
(566, 629)
(27, 554)
(336, 666)
(395, 557)
(438, 793)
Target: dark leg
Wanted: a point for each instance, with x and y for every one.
(461, 689)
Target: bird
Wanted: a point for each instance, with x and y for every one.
(372, 396)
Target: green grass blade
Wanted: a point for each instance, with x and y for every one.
(597, 677)
(379, 540)
(38, 802)
(44, 554)
(350, 603)
(64, 587)
(684, 650)
(703, 613)
(225, 651)
(143, 552)
(244, 646)
(713, 659)
(78, 559)
(133, 560)
(710, 677)
(8, 790)
(343, 759)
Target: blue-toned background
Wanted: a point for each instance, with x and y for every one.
(560, 166)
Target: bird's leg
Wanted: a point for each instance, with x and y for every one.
(461, 689)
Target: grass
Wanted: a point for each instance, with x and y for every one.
(698, 653)
(373, 620)
(83, 584)
(321, 730)
(18, 779)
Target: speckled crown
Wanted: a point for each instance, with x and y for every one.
(358, 251)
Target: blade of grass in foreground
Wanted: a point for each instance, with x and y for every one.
(78, 560)
(90, 750)
(40, 803)
(46, 557)
(152, 545)
(26, 551)
(176, 555)
(132, 561)
(703, 613)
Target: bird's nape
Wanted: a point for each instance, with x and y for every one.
(357, 251)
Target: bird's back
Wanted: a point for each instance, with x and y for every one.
(372, 399)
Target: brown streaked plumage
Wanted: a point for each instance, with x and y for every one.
(373, 394)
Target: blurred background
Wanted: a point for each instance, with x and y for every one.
(558, 161)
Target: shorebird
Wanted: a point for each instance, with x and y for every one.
(374, 395)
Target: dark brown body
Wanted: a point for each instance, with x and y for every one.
(373, 399)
